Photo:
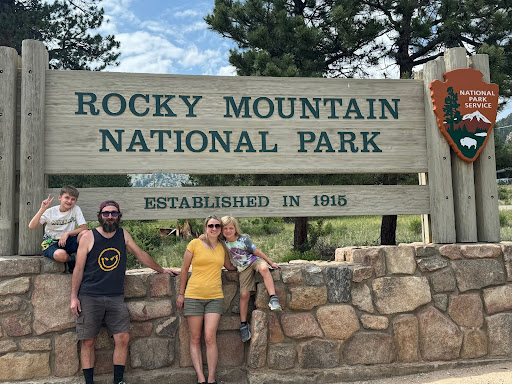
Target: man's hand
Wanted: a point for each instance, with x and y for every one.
(47, 202)
(275, 265)
(63, 239)
(170, 271)
(75, 307)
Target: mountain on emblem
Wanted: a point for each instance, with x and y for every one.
(465, 108)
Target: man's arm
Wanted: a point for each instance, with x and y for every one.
(85, 246)
(143, 256)
(45, 204)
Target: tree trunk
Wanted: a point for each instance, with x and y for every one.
(300, 234)
(388, 230)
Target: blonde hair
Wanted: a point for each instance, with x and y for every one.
(230, 220)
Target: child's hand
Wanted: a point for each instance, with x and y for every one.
(47, 203)
(202, 237)
(275, 266)
(63, 239)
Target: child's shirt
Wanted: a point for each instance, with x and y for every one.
(57, 222)
(241, 251)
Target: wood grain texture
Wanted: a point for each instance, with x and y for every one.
(9, 87)
(360, 200)
(486, 189)
(32, 170)
(77, 137)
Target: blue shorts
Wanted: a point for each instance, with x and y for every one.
(70, 247)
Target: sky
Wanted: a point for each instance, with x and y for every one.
(171, 36)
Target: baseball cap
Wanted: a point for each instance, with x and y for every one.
(109, 203)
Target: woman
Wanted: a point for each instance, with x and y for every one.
(203, 299)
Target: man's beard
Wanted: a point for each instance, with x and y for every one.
(109, 227)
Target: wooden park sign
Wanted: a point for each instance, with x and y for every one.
(82, 122)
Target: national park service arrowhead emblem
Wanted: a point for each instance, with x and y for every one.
(465, 107)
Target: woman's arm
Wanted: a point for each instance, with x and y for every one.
(187, 260)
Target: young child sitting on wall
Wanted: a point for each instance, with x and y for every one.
(61, 237)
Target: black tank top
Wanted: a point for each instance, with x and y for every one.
(105, 266)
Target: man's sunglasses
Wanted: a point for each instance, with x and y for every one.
(213, 225)
(107, 214)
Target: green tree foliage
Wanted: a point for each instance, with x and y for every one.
(64, 26)
(451, 108)
(89, 181)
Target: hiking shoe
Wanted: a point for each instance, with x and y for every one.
(273, 304)
(71, 267)
(246, 333)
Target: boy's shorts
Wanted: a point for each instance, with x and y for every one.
(247, 276)
(199, 307)
(50, 247)
(96, 310)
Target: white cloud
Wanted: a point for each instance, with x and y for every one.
(187, 13)
(227, 70)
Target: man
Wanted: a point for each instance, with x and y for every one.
(97, 292)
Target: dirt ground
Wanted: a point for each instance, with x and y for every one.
(484, 374)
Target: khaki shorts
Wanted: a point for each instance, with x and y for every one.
(199, 307)
(96, 310)
(247, 276)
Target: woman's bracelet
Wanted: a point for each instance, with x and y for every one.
(181, 294)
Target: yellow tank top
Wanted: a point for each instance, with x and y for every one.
(206, 279)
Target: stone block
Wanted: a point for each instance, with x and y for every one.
(281, 356)
(66, 355)
(474, 344)
(372, 256)
(337, 321)
(499, 328)
(466, 310)
(103, 340)
(14, 266)
(480, 251)
(338, 280)
(400, 294)
(406, 334)
(184, 336)
(361, 273)
(16, 286)
(339, 254)
(306, 298)
(159, 285)
(443, 280)
(477, 274)
(12, 304)
(276, 333)
(319, 354)
(498, 299)
(135, 286)
(374, 322)
(292, 274)
(370, 348)
(441, 301)
(313, 275)
(300, 325)
(231, 349)
(426, 250)
(229, 323)
(430, 264)
(17, 325)
(231, 276)
(51, 301)
(440, 338)
(262, 296)
(229, 292)
(400, 260)
(507, 251)
(362, 298)
(451, 251)
(104, 362)
(7, 346)
(147, 310)
(141, 329)
(149, 353)
(508, 268)
(257, 356)
(167, 327)
(36, 344)
(24, 366)
(51, 266)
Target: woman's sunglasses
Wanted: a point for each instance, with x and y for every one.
(107, 214)
(213, 225)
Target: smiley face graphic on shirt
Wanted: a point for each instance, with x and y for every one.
(108, 260)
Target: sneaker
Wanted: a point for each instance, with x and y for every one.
(71, 268)
(273, 304)
(246, 333)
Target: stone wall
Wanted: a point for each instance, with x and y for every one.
(374, 311)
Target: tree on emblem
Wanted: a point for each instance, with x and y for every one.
(450, 109)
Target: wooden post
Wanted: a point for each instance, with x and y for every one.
(32, 140)
(486, 188)
(442, 216)
(462, 171)
(8, 85)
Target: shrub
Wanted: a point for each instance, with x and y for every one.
(415, 226)
(504, 222)
(310, 255)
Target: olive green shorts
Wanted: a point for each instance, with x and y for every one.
(199, 307)
(247, 277)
